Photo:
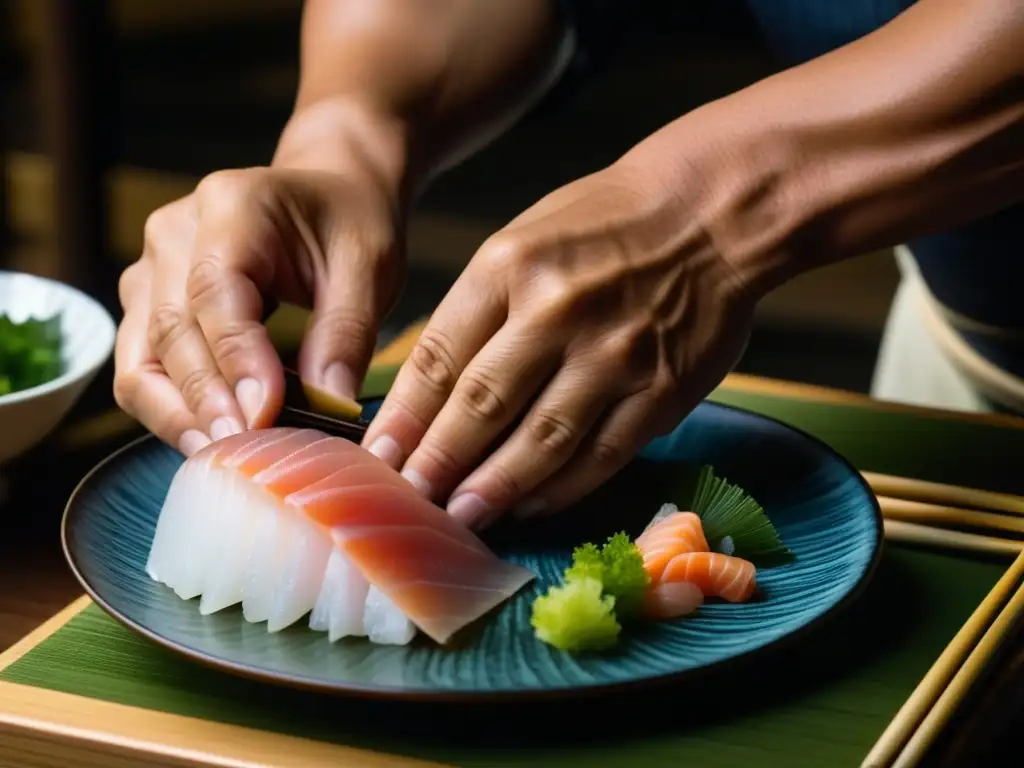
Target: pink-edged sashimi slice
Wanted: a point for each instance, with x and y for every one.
(290, 522)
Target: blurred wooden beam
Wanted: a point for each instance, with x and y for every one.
(6, 231)
(76, 97)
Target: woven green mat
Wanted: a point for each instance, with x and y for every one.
(823, 702)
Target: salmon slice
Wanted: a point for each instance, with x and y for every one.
(672, 599)
(717, 575)
(678, 533)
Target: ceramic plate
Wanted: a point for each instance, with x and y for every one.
(822, 508)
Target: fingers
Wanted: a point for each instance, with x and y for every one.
(232, 267)
(491, 392)
(178, 342)
(471, 313)
(141, 388)
(348, 305)
(553, 429)
(613, 443)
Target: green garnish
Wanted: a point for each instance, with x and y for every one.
(576, 616)
(618, 566)
(30, 353)
(602, 586)
(728, 512)
(607, 585)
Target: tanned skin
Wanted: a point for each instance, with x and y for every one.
(600, 316)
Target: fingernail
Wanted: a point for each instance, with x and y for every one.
(223, 427)
(338, 380)
(249, 394)
(418, 481)
(387, 450)
(471, 510)
(529, 508)
(192, 440)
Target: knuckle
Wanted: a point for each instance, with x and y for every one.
(664, 386)
(552, 433)
(167, 324)
(504, 482)
(339, 327)
(195, 386)
(618, 349)
(559, 297)
(608, 452)
(503, 252)
(129, 283)
(433, 363)
(221, 185)
(165, 225)
(155, 228)
(478, 394)
(205, 280)
(630, 351)
(439, 457)
(232, 345)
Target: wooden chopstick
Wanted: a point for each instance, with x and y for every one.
(935, 514)
(958, 688)
(932, 702)
(940, 538)
(944, 495)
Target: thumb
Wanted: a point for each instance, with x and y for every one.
(349, 303)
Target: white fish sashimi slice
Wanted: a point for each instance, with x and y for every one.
(340, 605)
(171, 529)
(384, 622)
(305, 567)
(262, 569)
(195, 549)
(236, 535)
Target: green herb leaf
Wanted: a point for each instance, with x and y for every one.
(733, 520)
(30, 353)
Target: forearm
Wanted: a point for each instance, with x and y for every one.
(911, 130)
(417, 84)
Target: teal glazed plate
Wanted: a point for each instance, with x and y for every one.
(820, 505)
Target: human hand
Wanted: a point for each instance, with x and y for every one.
(193, 360)
(590, 324)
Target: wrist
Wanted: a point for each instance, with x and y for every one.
(741, 186)
(341, 135)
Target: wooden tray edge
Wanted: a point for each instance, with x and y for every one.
(41, 724)
(43, 632)
(38, 725)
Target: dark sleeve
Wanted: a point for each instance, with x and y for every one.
(597, 26)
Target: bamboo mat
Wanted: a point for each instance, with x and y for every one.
(83, 681)
(824, 702)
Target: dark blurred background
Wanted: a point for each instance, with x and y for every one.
(111, 109)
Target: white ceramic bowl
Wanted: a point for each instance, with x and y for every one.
(26, 417)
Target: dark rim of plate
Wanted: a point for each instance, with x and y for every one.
(496, 696)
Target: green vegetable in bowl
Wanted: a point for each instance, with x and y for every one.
(31, 353)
